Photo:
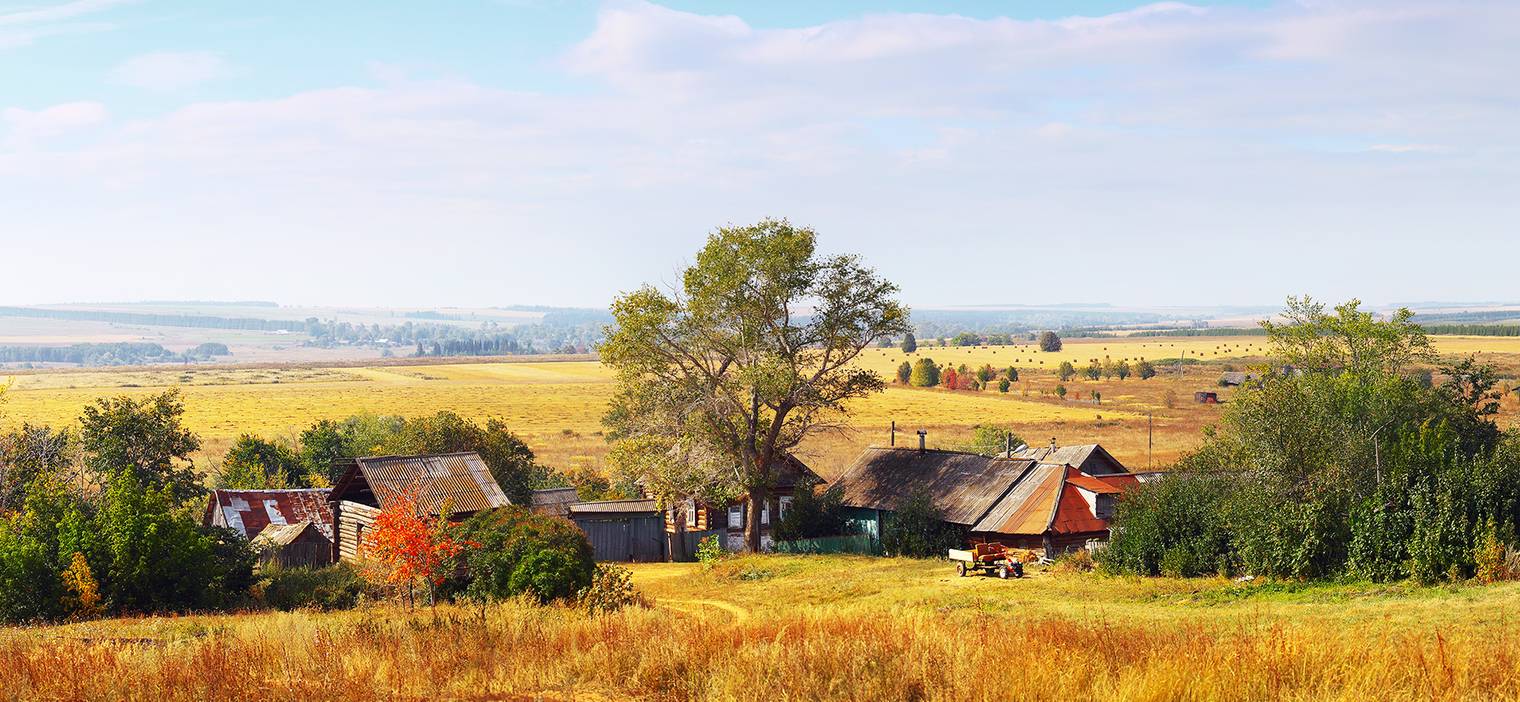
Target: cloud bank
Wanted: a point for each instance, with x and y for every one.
(1168, 154)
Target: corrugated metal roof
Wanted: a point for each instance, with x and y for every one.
(554, 500)
(613, 507)
(459, 480)
(1080, 455)
(1093, 483)
(963, 486)
(249, 511)
(1029, 506)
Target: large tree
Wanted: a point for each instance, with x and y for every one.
(754, 352)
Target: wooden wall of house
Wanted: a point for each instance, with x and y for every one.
(349, 517)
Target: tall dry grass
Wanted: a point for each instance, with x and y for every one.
(519, 652)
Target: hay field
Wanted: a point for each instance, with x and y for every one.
(820, 627)
(557, 406)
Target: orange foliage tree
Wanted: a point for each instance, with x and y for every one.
(407, 545)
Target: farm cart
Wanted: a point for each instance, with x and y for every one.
(987, 558)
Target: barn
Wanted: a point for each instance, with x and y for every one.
(460, 483)
(622, 530)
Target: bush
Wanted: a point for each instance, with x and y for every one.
(334, 587)
(1171, 527)
(917, 529)
(611, 589)
(710, 551)
(516, 552)
(812, 514)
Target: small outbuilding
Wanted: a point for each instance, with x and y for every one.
(299, 545)
(1091, 459)
(622, 530)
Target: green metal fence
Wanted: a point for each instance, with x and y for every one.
(855, 543)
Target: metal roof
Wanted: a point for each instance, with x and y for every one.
(460, 481)
(1077, 455)
(554, 501)
(1029, 506)
(963, 486)
(613, 507)
(249, 511)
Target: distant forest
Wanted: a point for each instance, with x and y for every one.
(113, 354)
(559, 331)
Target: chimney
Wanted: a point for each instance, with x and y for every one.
(893, 441)
(921, 435)
(1008, 445)
(1052, 444)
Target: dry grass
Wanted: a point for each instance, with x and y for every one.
(557, 406)
(835, 628)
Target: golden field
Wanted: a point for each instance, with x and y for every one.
(819, 627)
(557, 406)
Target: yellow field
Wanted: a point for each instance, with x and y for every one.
(557, 406)
(820, 628)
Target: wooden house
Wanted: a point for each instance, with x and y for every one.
(290, 528)
(728, 519)
(459, 483)
(1020, 501)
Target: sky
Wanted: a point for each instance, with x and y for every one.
(557, 153)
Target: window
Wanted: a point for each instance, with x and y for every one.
(736, 516)
(691, 514)
(765, 513)
(784, 503)
(359, 539)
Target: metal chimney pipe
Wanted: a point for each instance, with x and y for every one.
(893, 441)
(921, 435)
(1008, 445)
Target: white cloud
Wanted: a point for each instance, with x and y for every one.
(24, 126)
(170, 70)
(1169, 138)
(24, 26)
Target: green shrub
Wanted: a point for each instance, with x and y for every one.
(917, 529)
(516, 552)
(611, 589)
(334, 587)
(1171, 527)
(812, 514)
(710, 551)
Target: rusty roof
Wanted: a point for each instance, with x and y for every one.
(1029, 506)
(249, 511)
(963, 486)
(1048, 499)
(461, 482)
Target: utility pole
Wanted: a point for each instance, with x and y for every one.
(1150, 440)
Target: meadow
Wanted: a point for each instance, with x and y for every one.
(819, 627)
(557, 405)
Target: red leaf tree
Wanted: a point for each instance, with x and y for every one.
(407, 545)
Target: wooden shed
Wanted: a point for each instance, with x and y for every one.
(299, 545)
(249, 512)
(461, 483)
(622, 530)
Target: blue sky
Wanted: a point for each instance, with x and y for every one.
(532, 151)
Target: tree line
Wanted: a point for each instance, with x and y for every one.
(1353, 465)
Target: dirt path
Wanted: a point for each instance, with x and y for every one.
(739, 613)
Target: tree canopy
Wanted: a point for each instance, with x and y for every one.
(719, 378)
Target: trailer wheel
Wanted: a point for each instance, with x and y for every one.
(1003, 572)
(960, 569)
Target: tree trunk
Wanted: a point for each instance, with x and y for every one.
(752, 519)
(678, 539)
